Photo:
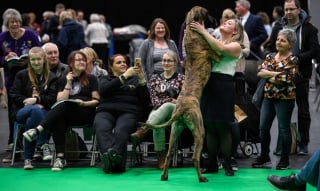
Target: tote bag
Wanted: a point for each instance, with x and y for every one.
(257, 97)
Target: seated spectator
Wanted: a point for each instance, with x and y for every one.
(123, 96)
(94, 63)
(56, 66)
(82, 91)
(33, 93)
(164, 89)
(309, 173)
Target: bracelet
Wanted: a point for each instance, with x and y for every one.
(122, 79)
(67, 88)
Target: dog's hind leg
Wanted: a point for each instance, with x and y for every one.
(176, 130)
(198, 134)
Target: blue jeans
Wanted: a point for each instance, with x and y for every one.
(282, 109)
(309, 173)
(30, 117)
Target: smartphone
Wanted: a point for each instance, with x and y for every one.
(137, 62)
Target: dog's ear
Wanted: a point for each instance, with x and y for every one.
(211, 22)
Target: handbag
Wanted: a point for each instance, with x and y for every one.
(257, 97)
(72, 145)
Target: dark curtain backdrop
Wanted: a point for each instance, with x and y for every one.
(124, 12)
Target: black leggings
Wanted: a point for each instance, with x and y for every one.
(64, 115)
(219, 138)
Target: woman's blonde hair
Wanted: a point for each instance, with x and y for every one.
(173, 55)
(239, 36)
(228, 14)
(46, 67)
(64, 16)
(90, 52)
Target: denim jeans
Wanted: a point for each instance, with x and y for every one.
(282, 109)
(30, 117)
(309, 173)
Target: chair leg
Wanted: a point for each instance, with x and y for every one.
(16, 140)
(94, 151)
(175, 155)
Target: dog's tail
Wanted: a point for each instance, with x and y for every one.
(163, 125)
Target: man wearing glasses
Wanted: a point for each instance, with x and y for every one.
(306, 48)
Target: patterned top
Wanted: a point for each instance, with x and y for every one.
(158, 87)
(284, 88)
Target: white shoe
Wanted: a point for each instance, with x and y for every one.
(58, 164)
(28, 164)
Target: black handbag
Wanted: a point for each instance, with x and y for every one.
(72, 145)
(257, 97)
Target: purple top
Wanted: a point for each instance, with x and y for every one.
(20, 46)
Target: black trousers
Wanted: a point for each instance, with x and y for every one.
(113, 130)
(64, 115)
(304, 118)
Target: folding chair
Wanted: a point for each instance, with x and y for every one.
(89, 139)
(18, 141)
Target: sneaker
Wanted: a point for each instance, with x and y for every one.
(285, 183)
(46, 151)
(37, 156)
(58, 164)
(28, 164)
(8, 158)
(234, 164)
(283, 163)
(262, 162)
(303, 149)
(30, 135)
(220, 166)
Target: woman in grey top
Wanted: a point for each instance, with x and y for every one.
(152, 48)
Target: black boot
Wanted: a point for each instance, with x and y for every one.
(228, 168)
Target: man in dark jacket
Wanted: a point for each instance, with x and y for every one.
(305, 49)
(257, 34)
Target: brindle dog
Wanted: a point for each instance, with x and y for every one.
(197, 73)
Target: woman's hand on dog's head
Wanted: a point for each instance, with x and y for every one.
(198, 27)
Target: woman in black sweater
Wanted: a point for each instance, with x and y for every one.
(123, 96)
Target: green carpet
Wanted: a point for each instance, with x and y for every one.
(142, 179)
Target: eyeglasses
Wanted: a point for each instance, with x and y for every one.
(167, 61)
(290, 9)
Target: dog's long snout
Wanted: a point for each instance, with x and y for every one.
(197, 17)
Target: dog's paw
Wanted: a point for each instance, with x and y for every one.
(203, 179)
(164, 177)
